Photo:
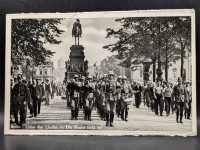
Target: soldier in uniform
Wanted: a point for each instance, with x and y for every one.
(167, 96)
(89, 101)
(179, 96)
(188, 107)
(110, 99)
(67, 93)
(101, 98)
(138, 92)
(39, 93)
(47, 91)
(32, 89)
(159, 99)
(118, 96)
(152, 96)
(21, 96)
(74, 97)
(82, 92)
(125, 92)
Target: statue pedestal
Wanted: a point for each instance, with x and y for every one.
(76, 61)
(77, 55)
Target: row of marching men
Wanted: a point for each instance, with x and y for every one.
(107, 95)
(169, 97)
(111, 96)
(28, 96)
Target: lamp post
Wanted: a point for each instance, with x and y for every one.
(146, 66)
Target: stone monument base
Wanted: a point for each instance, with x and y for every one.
(76, 62)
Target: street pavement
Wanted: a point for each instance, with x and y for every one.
(58, 116)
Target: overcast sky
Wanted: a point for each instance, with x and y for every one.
(93, 39)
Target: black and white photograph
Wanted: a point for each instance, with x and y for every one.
(101, 73)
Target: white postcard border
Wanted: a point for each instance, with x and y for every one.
(104, 14)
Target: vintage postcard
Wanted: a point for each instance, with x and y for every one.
(101, 73)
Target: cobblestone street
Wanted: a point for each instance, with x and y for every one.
(57, 116)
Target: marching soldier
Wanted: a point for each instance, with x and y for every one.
(152, 96)
(21, 96)
(167, 95)
(74, 97)
(30, 103)
(137, 92)
(125, 92)
(83, 90)
(39, 93)
(118, 96)
(67, 93)
(188, 102)
(159, 98)
(32, 89)
(179, 96)
(89, 101)
(110, 99)
(101, 90)
(47, 91)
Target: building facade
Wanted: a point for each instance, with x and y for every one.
(44, 72)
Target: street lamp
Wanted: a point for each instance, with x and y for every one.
(146, 66)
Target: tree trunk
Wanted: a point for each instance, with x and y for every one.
(182, 59)
(159, 69)
(154, 69)
(166, 63)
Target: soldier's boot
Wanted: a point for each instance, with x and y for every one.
(111, 119)
(16, 119)
(103, 115)
(107, 119)
(177, 117)
(181, 117)
(72, 114)
(122, 114)
(126, 115)
(89, 116)
(76, 113)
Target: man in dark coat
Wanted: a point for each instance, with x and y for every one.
(74, 97)
(138, 93)
(21, 96)
(39, 94)
(179, 96)
(34, 97)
